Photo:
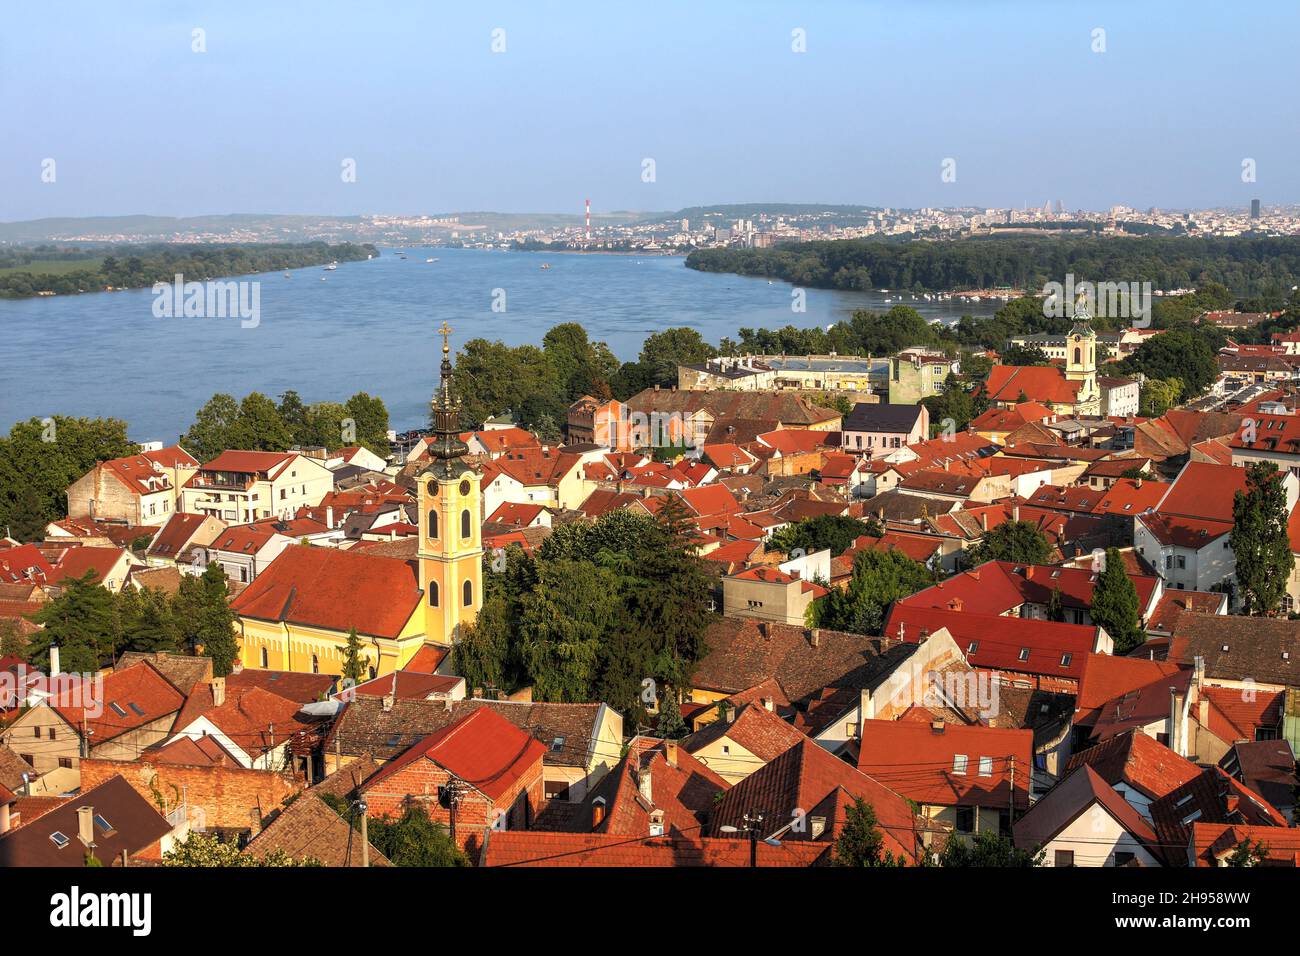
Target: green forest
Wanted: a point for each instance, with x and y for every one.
(29, 271)
(1249, 266)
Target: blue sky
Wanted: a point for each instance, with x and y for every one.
(710, 89)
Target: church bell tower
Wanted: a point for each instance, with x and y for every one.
(449, 496)
(1081, 361)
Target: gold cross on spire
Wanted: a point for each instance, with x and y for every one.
(445, 331)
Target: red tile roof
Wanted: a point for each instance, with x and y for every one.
(1039, 383)
(1173, 603)
(176, 534)
(1210, 843)
(269, 463)
(953, 766)
(24, 563)
(483, 749)
(1204, 490)
(810, 779)
(1135, 759)
(996, 643)
(129, 699)
(1065, 802)
(336, 590)
(792, 441)
(1236, 713)
(996, 587)
(513, 513)
(535, 848)
(1106, 678)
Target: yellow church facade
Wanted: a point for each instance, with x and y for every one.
(298, 613)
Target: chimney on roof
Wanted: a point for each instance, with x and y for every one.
(329, 516)
(670, 752)
(984, 520)
(923, 636)
(86, 825)
(1138, 482)
(1015, 513)
(389, 700)
(218, 691)
(936, 725)
(814, 638)
(54, 660)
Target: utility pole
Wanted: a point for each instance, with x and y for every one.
(1011, 796)
(365, 833)
(752, 824)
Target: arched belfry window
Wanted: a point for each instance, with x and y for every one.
(464, 523)
(433, 594)
(469, 593)
(433, 522)
(1078, 356)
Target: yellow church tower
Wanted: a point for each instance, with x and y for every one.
(1081, 361)
(448, 492)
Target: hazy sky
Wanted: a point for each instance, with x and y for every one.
(710, 90)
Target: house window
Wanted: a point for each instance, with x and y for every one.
(986, 766)
(315, 664)
(468, 590)
(1122, 858)
(433, 594)
(1063, 858)
(965, 820)
(36, 732)
(959, 762)
(29, 758)
(556, 790)
(433, 523)
(265, 659)
(1024, 653)
(51, 733)
(65, 763)
(464, 523)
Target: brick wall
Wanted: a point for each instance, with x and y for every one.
(419, 782)
(216, 796)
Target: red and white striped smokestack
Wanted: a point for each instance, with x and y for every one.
(589, 220)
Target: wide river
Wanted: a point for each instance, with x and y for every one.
(369, 327)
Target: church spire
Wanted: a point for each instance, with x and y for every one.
(448, 447)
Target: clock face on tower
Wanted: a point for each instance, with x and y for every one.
(464, 488)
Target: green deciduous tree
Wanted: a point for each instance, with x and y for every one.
(1018, 541)
(82, 622)
(879, 578)
(40, 458)
(205, 619)
(836, 532)
(860, 842)
(987, 848)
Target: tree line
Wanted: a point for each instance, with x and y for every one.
(93, 626)
(606, 610)
(1251, 265)
(140, 266)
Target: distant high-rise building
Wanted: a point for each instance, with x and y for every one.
(1254, 209)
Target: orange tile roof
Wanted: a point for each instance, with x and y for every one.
(483, 749)
(1039, 383)
(129, 699)
(335, 590)
(952, 766)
